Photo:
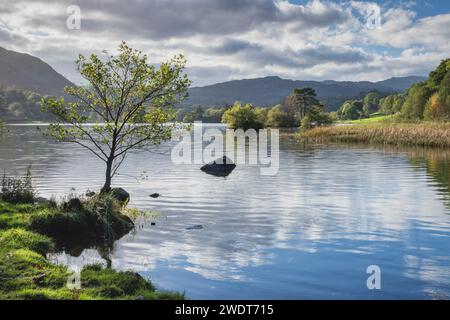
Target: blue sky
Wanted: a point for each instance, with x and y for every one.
(423, 8)
(224, 40)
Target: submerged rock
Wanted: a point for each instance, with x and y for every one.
(195, 227)
(220, 167)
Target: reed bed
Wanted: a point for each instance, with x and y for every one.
(427, 134)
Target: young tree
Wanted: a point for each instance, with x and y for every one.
(132, 98)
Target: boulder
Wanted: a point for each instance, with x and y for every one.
(220, 167)
(120, 195)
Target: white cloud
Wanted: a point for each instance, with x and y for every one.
(225, 40)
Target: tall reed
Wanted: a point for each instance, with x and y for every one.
(428, 134)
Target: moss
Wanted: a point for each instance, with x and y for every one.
(94, 221)
(17, 215)
(43, 294)
(104, 283)
(25, 273)
(13, 239)
(111, 291)
(60, 224)
(26, 269)
(128, 282)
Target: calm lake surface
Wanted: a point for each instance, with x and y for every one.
(308, 232)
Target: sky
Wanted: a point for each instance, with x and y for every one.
(234, 39)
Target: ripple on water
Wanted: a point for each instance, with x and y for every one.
(308, 232)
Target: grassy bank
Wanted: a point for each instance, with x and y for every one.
(28, 232)
(375, 118)
(426, 134)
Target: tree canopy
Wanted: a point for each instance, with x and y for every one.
(303, 101)
(430, 99)
(351, 110)
(132, 98)
(371, 103)
(242, 117)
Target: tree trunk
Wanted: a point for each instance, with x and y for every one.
(107, 186)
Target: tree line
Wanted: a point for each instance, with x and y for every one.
(427, 100)
(17, 104)
(301, 108)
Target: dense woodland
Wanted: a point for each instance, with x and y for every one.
(427, 100)
(20, 104)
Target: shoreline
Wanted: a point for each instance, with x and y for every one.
(28, 274)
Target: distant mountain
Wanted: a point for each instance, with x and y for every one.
(269, 91)
(401, 84)
(27, 72)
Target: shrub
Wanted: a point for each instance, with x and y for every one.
(323, 118)
(18, 189)
(243, 117)
(306, 123)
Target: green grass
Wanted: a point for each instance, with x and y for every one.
(16, 215)
(377, 117)
(17, 238)
(25, 273)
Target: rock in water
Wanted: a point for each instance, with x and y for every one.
(195, 227)
(221, 167)
(155, 195)
(120, 195)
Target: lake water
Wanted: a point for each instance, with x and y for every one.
(308, 232)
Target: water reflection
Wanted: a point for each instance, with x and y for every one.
(308, 232)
